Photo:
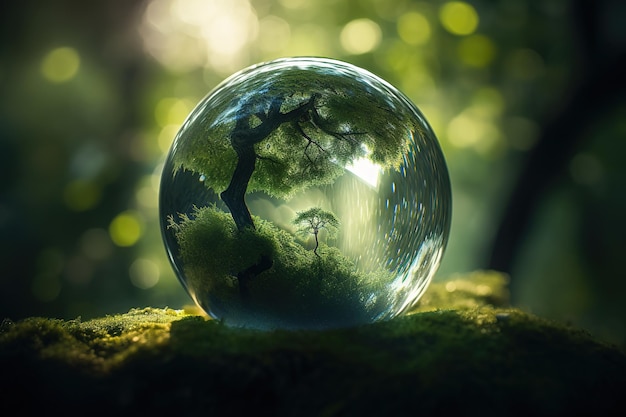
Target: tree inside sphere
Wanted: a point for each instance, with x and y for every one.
(305, 193)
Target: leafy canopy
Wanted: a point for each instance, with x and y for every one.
(313, 220)
(350, 118)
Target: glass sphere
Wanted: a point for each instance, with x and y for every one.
(305, 193)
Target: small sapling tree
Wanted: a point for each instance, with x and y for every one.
(313, 220)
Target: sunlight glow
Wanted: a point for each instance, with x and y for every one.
(365, 170)
(166, 136)
(274, 34)
(360, 36)
(472, 128)
(309, 39)
(186, 34)
(171, 110)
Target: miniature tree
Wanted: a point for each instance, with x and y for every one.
(244, 138)
(283, 137)
(313, 220)
(287, 139)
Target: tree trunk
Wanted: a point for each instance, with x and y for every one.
(234, 195)
(317, 243)
(265, 262)
(243, 140)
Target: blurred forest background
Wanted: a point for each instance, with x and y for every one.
(526, 97)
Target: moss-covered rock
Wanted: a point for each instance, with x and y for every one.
(471, 357)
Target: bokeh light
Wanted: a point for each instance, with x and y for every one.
(476, 51)
(458, 18)
(414, 28)
(144, 273)
(126, 228)
(60, 64)
(360, 36)
(92, 98)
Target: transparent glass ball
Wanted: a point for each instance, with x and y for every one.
(305, 193)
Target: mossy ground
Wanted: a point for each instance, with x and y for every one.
(462, 352)
(299, 290)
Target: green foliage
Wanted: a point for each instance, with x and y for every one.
(214, 249)
(311, 221)
(348, 120)
(298, 286)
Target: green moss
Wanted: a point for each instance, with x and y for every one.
(466, 361)
(479, 288)
(300, 287)
(94, 346)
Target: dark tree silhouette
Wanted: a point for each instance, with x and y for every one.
(285, 131)
(294, 131)
(599, 87)
(245, 137)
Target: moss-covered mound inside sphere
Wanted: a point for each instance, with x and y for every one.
(300, 287)
(475, 357)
